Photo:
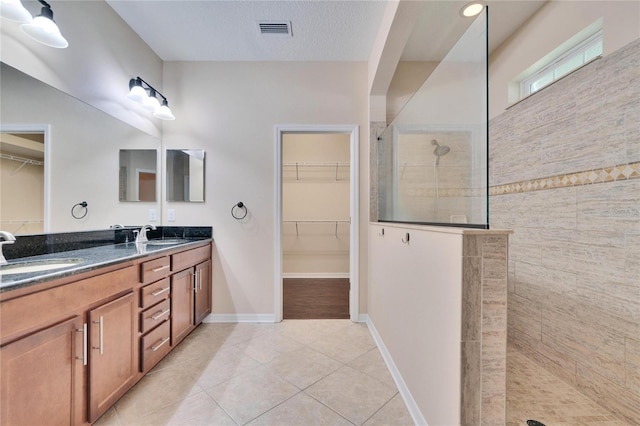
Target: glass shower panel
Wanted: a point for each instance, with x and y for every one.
(432, 159)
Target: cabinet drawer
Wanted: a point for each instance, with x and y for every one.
(154, 346)
(155, 315)
(189, 258)
(154, 270)
(153, 293)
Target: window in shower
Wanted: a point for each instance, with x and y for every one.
(432, 158)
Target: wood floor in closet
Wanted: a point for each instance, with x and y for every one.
(315, 298)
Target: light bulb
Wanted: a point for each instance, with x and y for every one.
(164, 113)
(151, 103)
(137, 93)
(13, 10)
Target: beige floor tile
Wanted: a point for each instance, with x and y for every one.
(248, 396)
(198, 409)
(300, 410)
(155, 391)
(212, 369)
(265, 347)
(346, 344)
(373, 364)
(303, 367)
(234, 333)
(308, 331)
(394, 413)
(354, 395)
(110, 418)
(534, 393)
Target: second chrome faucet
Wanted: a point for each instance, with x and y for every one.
(141, 235)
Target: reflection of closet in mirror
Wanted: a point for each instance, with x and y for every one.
(185, 175)
(22, 182)
(138, 175)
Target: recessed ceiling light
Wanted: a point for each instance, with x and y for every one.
(471, 9)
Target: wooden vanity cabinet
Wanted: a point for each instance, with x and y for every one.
(70, 348)
(112, 353)
(42, 375)
(190, 291)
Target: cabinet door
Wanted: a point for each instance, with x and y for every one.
(112, 359)
(203, 291)
(182, 302)
(41, 379)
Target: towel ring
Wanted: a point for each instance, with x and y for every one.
(83, 204)
(240, 206)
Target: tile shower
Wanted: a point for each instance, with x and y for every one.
(565, 176)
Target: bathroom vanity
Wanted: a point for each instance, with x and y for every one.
(74, 341)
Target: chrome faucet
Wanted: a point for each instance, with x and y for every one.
(141, 235)
(7, 238)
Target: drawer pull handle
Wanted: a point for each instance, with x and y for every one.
(159, 345)
(159, 292)
(160, 314)
(160, 268)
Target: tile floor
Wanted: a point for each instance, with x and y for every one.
(534, 393)
(313, 372)
(304, 372)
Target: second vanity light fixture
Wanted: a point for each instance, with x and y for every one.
(42, 28)
(138, 93)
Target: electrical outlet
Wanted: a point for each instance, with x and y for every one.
(171, 215)
(153, 215)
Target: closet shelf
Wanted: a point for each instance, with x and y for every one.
(22, 160)
(298, 222)
(329, 165)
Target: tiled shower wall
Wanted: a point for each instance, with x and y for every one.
(565, 169)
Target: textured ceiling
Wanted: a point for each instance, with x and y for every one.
(179, 30)
(323, 30)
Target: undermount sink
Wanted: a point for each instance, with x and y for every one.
(37, 266)
(166, 242)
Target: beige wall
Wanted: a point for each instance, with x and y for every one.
(230, 110)
(565, 177)
(315, 193)
(551, 26)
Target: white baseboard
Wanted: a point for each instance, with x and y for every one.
(257, 318)
(414, 411)
(315, 275)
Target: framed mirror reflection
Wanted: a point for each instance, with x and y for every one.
(185, 175)
(137, 173)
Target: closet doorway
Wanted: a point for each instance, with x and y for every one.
(24, 188)
(316, 264)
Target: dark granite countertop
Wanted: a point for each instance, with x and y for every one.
(89, 259)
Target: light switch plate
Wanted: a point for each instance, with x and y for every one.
(171, 215)
(153, 215)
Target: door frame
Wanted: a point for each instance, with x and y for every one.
(354, 237)
(46, 130)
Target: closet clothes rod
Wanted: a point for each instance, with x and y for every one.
(21, 159)
(316, 221)
(337, 165)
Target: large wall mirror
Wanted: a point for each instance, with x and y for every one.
(80, 163)
(137, 180)
(185, 175)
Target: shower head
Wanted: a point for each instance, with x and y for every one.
(439, 150)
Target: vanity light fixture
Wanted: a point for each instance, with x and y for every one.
(138, 93)
(472, 9)
(44, 30)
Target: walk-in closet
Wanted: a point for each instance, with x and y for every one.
(316, 225)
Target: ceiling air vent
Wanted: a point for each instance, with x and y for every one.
(275, 27)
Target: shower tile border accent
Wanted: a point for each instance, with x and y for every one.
(586, 177)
